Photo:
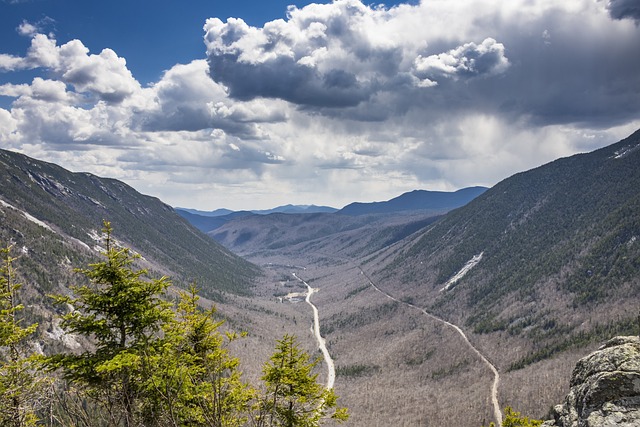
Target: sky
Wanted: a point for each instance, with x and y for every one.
(253, 104)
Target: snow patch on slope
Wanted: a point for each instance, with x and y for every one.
(463, 271)
(26, 215)
(98, 238)
(625, 151)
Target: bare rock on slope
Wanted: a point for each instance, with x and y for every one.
(605, 388)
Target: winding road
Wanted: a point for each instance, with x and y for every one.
(497, 413)
(331, 369)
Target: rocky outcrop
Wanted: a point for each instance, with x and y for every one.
(605, 388)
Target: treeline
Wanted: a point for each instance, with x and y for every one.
(152, 362)
(567, 340)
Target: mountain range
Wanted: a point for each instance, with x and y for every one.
(373, 225)
(535, 271)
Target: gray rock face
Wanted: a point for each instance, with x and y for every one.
(605, 388)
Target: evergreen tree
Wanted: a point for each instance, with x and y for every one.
(293, 395)
(122, 311)
(196, 382)
(515, 419)
(18, 382)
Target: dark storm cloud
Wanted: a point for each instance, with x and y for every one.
(282, 78)
(551, 66)
(187, 100)
(323, 56)
(330, 59)
(624, 9)
(593, 77)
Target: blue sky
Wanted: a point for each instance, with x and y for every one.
(249, 105)
(152, 35)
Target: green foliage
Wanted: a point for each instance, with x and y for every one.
(195, 381)
(515, 419)
(293, 396)
(11, 332)
(122, 313)
(19, 385)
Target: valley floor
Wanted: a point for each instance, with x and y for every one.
(394, 362)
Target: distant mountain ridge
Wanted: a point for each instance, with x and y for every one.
(217, 212)
(358, 226)
(280, 209)
(430, 202)
(416, 200)
(292, 209)
(208, 221)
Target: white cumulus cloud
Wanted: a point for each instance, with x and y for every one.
(469, 60)
(324, 55)
(105, 75)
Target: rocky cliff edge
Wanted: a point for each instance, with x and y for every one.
(605, 388)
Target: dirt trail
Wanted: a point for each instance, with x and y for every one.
(497, 413)
(331, 369)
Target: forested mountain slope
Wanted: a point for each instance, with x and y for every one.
(552, 255)
(49, 213)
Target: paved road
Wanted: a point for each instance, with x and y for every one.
(331, 369)
(497, 413)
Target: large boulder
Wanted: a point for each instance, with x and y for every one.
(605, 388)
